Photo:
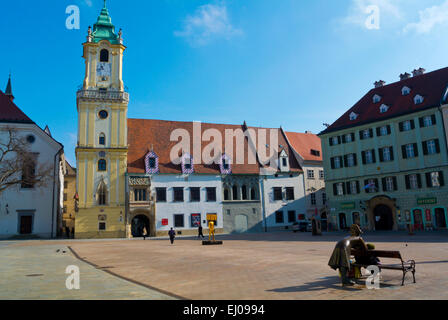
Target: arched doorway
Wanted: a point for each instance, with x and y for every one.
(418, 219)
(324, 221)
(342, 221)
(138, 223)
(440, 218)
(383, 218)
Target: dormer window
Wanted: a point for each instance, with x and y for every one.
(405, 91)
(187, 164)
(284, 161)
(353, 116)
(418, 99)
(376, 98)
(384, 108)
(225, 165)
(152, 163)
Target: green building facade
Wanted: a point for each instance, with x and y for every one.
(386, 159)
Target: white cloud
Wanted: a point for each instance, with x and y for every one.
(208, 22)
(429, 18)
(357, 12)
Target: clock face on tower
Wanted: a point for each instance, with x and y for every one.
(103, 69)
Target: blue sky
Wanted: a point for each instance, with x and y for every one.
(293, 63)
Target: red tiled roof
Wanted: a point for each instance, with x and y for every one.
(281, 144)
(431, 86)
(303, 143)
(9, 112)
(146, 135)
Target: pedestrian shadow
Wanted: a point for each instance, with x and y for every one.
(319, 285)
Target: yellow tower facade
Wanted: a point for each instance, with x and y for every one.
(101, 153)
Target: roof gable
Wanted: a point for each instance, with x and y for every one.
(9, 112)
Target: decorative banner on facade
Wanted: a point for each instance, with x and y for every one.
(164, 222)
(195, 220)
(423, 201)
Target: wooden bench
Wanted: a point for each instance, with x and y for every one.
(404, 266)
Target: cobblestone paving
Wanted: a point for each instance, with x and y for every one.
(30, 272)
(264, 266)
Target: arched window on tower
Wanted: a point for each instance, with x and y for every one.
(104, 55)
(102, 165)
(102, 139)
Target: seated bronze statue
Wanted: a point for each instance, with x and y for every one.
(340, 259)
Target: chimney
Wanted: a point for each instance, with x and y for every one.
(418, 72)
(404, 76)
(379, 84)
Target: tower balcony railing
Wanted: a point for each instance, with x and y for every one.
(103, 95)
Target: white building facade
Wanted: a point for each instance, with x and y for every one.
(27, 210)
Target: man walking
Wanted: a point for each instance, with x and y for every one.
(200, 234)
(172, 235)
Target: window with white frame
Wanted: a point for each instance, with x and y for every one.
(324, 198)
(390, 184)
(348, 138)
(366, 134)
(387, 154)
(431, 147)
(335, 140)
(407, 126)
(340, 189)
(405, 91)
(371, 185)
(351, 160)
(337, 162)
(321, 174)
(413, 181)
(369, 156)
(427, 121)
(353, 187)
(384, 131)
(384, 108)
(418, 99)
(310, 174)
(353, 116)
(410, 152)
(435, 179)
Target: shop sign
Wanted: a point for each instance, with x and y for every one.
(425, 201)
(348, 205)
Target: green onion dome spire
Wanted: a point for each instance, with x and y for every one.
(103, 29)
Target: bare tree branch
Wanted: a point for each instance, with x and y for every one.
(18, 165)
